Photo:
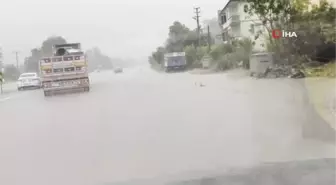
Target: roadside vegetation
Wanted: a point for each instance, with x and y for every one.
(95, 57)
(326, 70)
(314, 25)
(11, 73)
(183, 39)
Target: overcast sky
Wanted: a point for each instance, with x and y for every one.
(118, 28)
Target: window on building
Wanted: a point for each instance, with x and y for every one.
(246, 8)
(223, 19)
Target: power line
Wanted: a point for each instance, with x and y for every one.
(209, 39)
(197, 12)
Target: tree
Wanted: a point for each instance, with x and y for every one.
(191, 54)
(97, 59)
(11, 72)
(31, 63)
(158, 55)
(220, 50)
(317, 30)
(243, 50)
(273, 15)
(191, 39)
(194, 55)
(313, 25)
(178, 33)
(180, 38)
(47, 45)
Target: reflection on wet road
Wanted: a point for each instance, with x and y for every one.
(146, 124)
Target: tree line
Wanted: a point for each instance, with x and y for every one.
(95, 57)
(183, 39)
(314, 24)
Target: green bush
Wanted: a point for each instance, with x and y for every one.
(228, 56)
(326, 70)
(217, 51)
(194, 55)
(191, 55)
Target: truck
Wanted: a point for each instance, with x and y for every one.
(65, 70)
(175, 61)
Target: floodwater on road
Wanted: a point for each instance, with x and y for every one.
(143, 124)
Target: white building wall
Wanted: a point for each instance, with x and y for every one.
(242, 29)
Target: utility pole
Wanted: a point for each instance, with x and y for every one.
(1, 70)
(17, 59)
(197, 12)
(209, 39)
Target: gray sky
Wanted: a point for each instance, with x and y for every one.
(118, 28)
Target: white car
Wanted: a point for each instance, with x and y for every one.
(29, 80)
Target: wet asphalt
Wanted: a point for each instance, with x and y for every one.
(145, 124)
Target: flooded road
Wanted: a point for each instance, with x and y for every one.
(143, 124)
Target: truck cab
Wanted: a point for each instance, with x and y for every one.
(65, 70)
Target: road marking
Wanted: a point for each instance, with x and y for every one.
(4, 99)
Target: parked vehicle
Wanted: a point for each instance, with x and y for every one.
(28, 80)
(175, 61)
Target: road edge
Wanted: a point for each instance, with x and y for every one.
(322, 95)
